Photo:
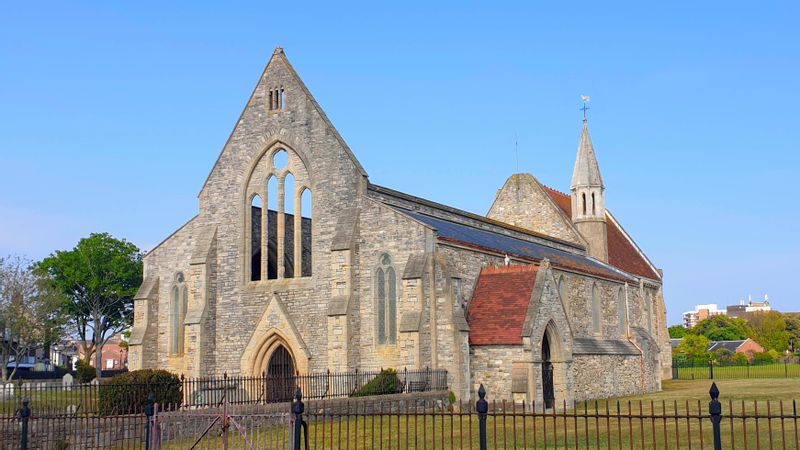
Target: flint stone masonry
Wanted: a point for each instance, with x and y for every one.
(328, 320)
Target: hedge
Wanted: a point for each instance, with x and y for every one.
(384, 383)
(127, 393)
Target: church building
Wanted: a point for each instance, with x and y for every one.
(297, 263)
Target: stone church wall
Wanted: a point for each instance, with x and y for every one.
(335, 179)
(523, 204)
(604, 376)
(491, 365)
(164, 262)
(383, 230)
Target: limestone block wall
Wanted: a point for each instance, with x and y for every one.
(491, 365)
(336, 178)
(164, 263)
(604, 376)
(522, 202)
(578, 301)
(383, 230)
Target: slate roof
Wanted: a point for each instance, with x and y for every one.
(622, 253)
(463, 234)
(595, 346)
(499, 305)
(731, 346)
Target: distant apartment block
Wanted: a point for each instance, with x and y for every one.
(690, 318)
(742, 309)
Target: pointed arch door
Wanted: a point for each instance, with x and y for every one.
(548, 391)
(280, 375)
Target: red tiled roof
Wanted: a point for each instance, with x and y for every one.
(499, 305)
(622, 254)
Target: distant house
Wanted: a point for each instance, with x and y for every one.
(115, 354)
(746, 346)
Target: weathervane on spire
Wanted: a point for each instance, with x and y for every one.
(585, 107)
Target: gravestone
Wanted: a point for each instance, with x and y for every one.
(67, 381)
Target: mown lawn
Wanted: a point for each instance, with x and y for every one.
(675, 418)
(777, 370)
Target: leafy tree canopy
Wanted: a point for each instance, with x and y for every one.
(771, 330)
(722, 328)
(694, 347)
(98, 279)
(677, 331)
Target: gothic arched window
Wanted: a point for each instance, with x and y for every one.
(595, 310)
(280, 222)
(386, 301)
(621, 309)
(256, 257)
(584, 203)
(179, 300)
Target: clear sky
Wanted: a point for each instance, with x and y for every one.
(113, 113)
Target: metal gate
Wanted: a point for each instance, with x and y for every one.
(227, 428)
(280, 377)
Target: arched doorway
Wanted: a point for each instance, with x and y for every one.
(280, 375)
(548, 392)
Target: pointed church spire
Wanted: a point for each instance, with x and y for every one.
(587, 171)
(588, 198)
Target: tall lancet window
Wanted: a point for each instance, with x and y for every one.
(178, 303)
(289, 229)
(595, 310)
(386, 301)
(280, 228)
(255, 238)
(622, 310)
(305, 232)
(648, 312)
(584, 202)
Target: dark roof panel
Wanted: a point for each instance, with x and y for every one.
(470, 236)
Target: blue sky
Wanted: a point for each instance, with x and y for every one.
(112, 114)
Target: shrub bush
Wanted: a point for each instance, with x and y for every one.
(127, 393)
(763, 358)
(85, 372)
(740, 359)
(384, 383)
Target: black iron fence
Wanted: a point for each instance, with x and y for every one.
(59, 398)
(423, 421)
(714, 370)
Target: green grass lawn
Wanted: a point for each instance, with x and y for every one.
(777, 370)
(670, 428)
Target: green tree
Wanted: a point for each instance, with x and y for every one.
(31, 313)
(722, 328)
(793, 327)
(677, 331)
(694, 347)
(770, 329)
(97, 279)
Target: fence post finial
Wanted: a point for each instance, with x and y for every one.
(715, 410)
(24, 414)
(297, 410)
(149, 411)
(482, 407)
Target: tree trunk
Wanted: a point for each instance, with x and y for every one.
(98, 359)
